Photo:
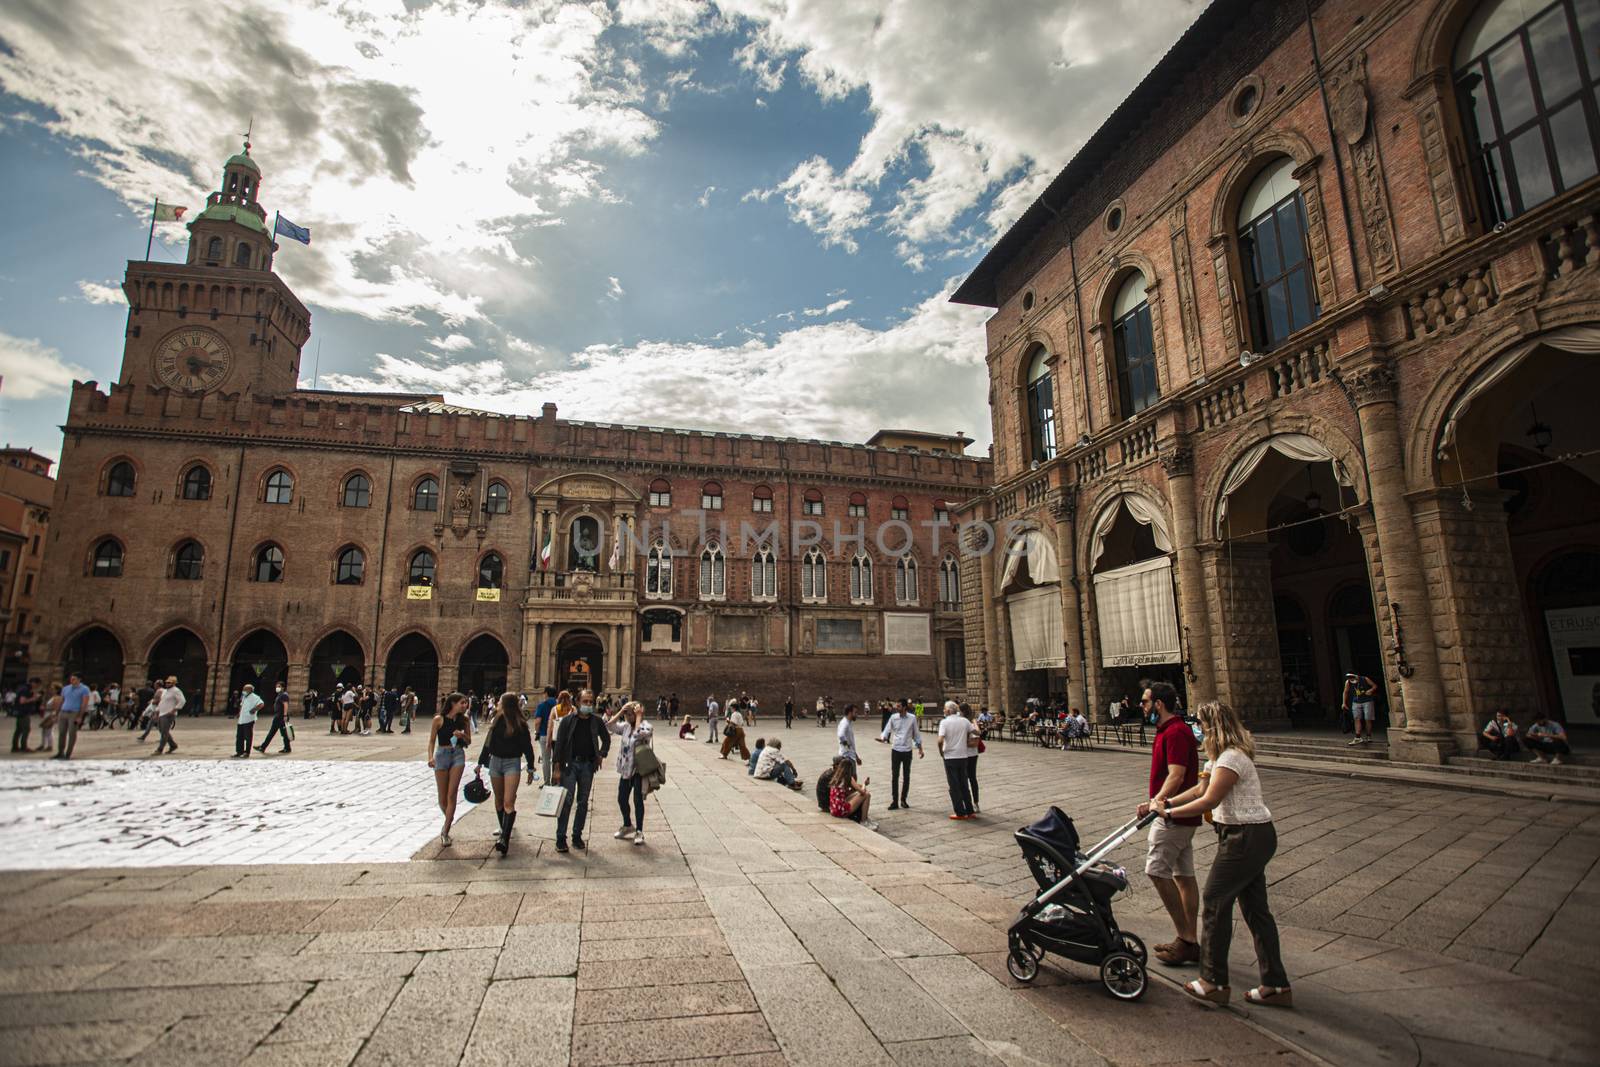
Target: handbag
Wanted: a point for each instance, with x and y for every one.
(727, 729)
(475, 791)
(551, 799)
(288, 731)
(645, 760)
(982, 748)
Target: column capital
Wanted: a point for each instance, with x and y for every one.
(1063, 503)
(1177, 461)
(1373, 383)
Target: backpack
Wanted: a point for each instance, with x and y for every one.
(824, 780)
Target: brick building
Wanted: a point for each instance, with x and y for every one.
(219, 523)
(26, 490)
(1289, 368)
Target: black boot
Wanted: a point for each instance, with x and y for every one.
(506, 823)
(500, 817)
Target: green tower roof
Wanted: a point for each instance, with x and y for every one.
(242, 160)
(234, 213)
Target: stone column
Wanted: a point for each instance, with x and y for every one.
(1411, 648)
(613, 658)
(1002, 652)
(133, 676)
(1063, 509)
(1178, 462)
(992, 664)
(298, 680)
(625, 659)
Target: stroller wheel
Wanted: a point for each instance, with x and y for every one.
(1123, 976)
(1022, 965)
(1134, 947)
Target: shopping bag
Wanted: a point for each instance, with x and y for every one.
(551, 797)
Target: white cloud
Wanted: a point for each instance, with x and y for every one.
(106, 292)
(30, 369)
(614, 290)
(837, 305)
(453, 343)
(824, 202)
(704, 200)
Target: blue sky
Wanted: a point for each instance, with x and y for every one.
(740, 215)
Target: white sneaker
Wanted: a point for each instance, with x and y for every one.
(622, 833)
(444, 840)
(638, 838)
(1557, 760)
(1353, 742)
(870, 825)
(1537, 759)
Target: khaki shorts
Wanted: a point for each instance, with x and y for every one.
(1171, 850)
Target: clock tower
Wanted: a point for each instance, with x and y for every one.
(221, 321)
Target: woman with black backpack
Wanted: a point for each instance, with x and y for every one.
(631, 728)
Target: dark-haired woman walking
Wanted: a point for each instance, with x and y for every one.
(447, 755)
(507, 741)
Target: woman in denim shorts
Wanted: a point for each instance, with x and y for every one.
(447, 755)
(507, 741)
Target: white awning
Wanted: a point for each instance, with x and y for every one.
(1035, 617)
(1038, 550)
(1578, 340)
(1144, 513)
(1302, 447)
(1138, 618)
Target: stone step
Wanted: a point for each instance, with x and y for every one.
(1525, 771)
(1322, 750)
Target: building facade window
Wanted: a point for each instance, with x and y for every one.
(955, 658)
(583, 544)
(1275, 257)
(214, 249)
(491, 571)
(425, 497)
(197, 483)
(761, 501)
(497, 501)
(658, 572)
(713, 573)
(905, 580)
(857, 506)
(188, 561)
(351, 566)
(813, 577)
(1530, 100)
(357, 491)
(950, 581)
(120, 479)
(861, 578)
(812, 502)
(764, 576)
(280, 488)
(900, 509)
(421, 570)
(108, 559)
(711, 497)
(941, 515)
(241, 255)
(1041, 408)
(268, 564)
(661, 493)
(1134, 348)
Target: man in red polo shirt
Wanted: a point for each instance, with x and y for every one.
(1174, 767)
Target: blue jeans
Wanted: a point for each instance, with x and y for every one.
(784, 775)
(578, 777)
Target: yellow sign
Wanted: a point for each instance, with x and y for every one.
(489, 594)
(419, 592)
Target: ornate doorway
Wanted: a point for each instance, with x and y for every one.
(580, 662)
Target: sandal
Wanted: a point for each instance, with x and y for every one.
(1217, 995)
(1179, 953)
(1267, 996)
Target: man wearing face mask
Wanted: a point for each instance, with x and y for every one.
(579, 751)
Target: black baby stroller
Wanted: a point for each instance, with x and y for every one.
(1071, 916)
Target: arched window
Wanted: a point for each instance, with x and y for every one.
(764, 576)
(583, 544)
(491, 571)
(1135, 348)
(661, 493)
(197, 483)
(498, 501)
(108, 559)
(711, 496)
(856, 507)
(1041, 408)
(241, 255)
(357, 491)
(658, 572)
(713, 573)
(352, 566)
(1274, 256)
(900, 508)
(422, 568)
(950, 581)
(425, 497)
(905, 580)
(188, 561)
(1527, 86)
(280, 487)
(214, 249)
(761, 499)
(120, 479)
(813, 577)
(812, 503)
(269, 563)
(861, 579)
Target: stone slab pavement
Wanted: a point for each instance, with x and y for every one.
(750, 930)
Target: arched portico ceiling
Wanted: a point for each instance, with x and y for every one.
(1297, 446)
(1144, 512)
(1582, 339)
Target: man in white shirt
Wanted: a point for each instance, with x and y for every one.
(902, 734)
(249, 707)
(955, 735)
(847, 735)
(713, 713)
(168, 705)
(774, 765)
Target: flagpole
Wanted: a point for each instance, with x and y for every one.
(151, 240)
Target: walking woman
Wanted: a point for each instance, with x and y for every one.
(507, 741)
(447, 747)
(1246, 842)
(630, 727)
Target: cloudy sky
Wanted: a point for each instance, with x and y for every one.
(737, 214)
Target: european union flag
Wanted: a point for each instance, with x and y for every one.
(290, 230)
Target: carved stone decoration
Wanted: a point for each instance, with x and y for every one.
(1178, 461)
(1223, 273)
(1436, 153)
(1317, 234)
(1097, 340)
(1371, 384)
(1063, 504)
(584, 489)
(1183, 273)
(581, 584)
(1349, 104)
(461, 510)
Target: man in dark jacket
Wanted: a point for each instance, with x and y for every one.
(581, 745)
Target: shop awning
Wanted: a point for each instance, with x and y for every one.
(1144, 513)
(1138, 617)
(1035, 617)
(1297, 446)
(1036, 550)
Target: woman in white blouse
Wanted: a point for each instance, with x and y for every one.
(1246, 842)
(630, 726)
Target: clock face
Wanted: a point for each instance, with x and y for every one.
(194, 359)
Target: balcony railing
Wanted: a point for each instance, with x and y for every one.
(585, 586)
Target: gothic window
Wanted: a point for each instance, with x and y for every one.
(857, 507)
(861, 579)
(1274, 256)
(498, 501)
(491, 570)
(762, 499)
(1041, 408)
(187, 561)
(713, 573)
(905, 580)
(425, 497)
(764, 576)
(812, 503)
(357, 491)
(1528, 90)
(1134, 347)
(661, 493)
(197, 483)
(214, 249)
(950, 581)
(658, 572)
(351, 567)
(900, 508)
(422, 567)
(280, 487)
(711, 497)
(120, 479)
(108, 559)
(813, 577)
(268, 563)
(241, 255)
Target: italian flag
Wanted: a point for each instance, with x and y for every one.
(169, 212)
(544, 553)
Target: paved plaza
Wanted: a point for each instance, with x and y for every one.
(1420, 925)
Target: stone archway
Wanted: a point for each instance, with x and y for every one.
(337, 659)
(580, 661)
(95, 655)
(413, 664)
(181, 653)
(260, 660)
(484, 667)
